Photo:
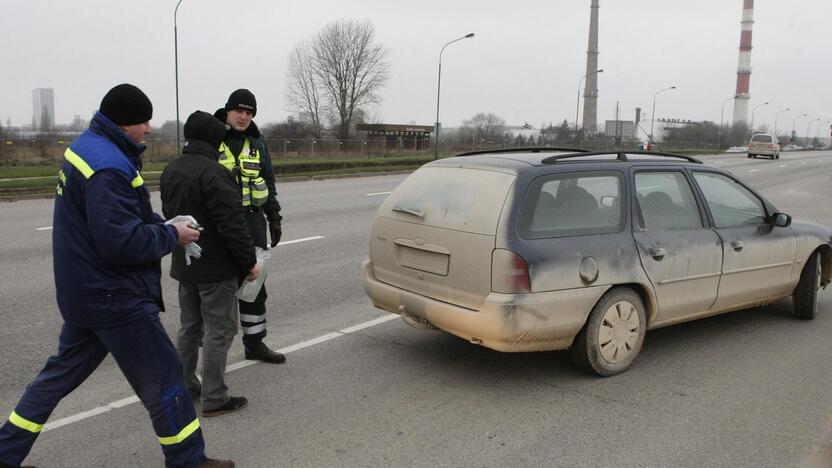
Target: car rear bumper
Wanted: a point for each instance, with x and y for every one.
(505, 322)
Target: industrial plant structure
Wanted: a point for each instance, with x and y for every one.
(590, 118)
(743, 94)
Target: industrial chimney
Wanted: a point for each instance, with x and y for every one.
(742, 96)
(590, 120)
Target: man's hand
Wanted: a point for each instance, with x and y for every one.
(186, 234)
(275, 231)
(254, 273)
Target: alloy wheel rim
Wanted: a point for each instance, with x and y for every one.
(619, 332)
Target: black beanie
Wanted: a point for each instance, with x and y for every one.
(126, 105)
(242, 99)
(204, 127)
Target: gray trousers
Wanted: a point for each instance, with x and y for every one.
(209, 319)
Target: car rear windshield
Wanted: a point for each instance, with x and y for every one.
(572, 204)
(462, 199)
(761, 139)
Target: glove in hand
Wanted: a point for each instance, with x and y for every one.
(275, 232)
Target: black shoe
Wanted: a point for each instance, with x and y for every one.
(260, 352)
(211, 463)
(232, 405)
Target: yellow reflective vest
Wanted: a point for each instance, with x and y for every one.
(246, 167)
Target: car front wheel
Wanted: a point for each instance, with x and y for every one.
(612, 335)
(805, 296)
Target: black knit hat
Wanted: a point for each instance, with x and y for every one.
(126, 105)
(242, 99)
(204, 127)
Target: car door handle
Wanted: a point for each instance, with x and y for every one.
(657, 253)
(737, 245)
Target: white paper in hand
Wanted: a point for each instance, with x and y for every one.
(250, 289)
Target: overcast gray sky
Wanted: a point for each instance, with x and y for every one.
(524, 63)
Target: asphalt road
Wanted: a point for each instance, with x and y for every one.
(747, 389)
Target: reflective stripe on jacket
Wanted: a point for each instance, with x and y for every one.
(246, 169)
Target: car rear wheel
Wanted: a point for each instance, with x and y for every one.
(805, 296)
(612, 335)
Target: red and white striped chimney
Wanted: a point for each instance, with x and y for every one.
(743, 95)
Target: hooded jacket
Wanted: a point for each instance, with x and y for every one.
(107, 242)
(196, 184)
(235, 140)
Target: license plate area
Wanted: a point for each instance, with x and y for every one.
(427, 258)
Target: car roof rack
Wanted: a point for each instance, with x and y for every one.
(622, 155)
(525, 150)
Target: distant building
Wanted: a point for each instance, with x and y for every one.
(660, 128)
(43, 107)
(408, 136)
(78, 124)
(524, 131)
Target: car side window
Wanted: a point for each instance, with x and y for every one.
(730, 203)
(572, 204)
(665, 201)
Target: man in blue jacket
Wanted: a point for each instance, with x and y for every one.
(107, 250)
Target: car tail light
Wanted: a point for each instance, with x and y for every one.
(509, 273)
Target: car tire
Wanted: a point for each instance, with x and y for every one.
(612, 335)
(805, 296)
(749, 156)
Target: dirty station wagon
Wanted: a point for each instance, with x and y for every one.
(546, 249)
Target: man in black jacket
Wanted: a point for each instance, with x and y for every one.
(243, 152)
(196, 184)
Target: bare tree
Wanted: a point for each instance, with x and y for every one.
(304, 88)
(351, 68)
(488, 128)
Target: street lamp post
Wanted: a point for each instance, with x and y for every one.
(653, 112)
(438, 87)
(176, 68)
(752, 114)
(778, 115)
(794, 121)
(578, 104)
(722, 120)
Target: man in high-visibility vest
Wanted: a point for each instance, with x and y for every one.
(107, 250)
(243, 152)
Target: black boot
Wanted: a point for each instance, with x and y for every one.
(233, 404)
(260, 352)
(211, 463)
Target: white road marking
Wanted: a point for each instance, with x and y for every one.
(44, 228)
(804, 162)
(377, 193)
(239, 365)
(754, 170)
(300, 240)
(784, 165)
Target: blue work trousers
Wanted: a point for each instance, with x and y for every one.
(149, 361)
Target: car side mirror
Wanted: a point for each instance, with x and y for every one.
(781, 219)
